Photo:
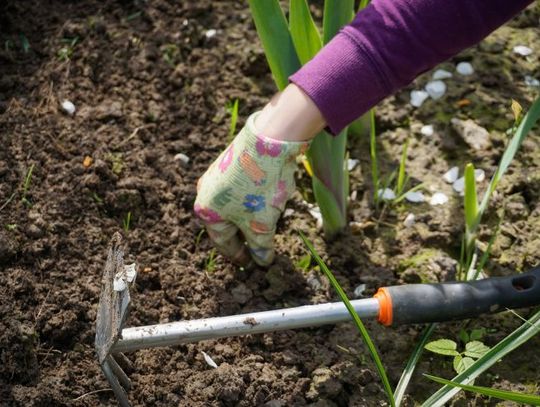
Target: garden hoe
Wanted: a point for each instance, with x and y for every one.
(415, 303)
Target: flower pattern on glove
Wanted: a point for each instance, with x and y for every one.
(227, 159)
(207, 214)
(254, 203)
(268, 147)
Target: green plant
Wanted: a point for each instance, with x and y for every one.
(232, 108)
(357, 321)
(287, 45)
(126, 222)
(26, 185)
(529, 399)
(473, 210)
(66, 52)
(10, 226)
(210, 263)
(474, 349)
(170, 53)
(304, 263)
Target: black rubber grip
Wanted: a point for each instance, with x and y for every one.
(421, 303)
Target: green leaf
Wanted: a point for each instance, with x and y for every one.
(337, 13)
(357, 321)
(463, 336)
(443, 347)
(477, 334)
(495, 354)
(471, 201)
(276, 39)
(306, 38)
(332, 212)
(475, 349)
(462, 363)
(401, 172)
(529, 399)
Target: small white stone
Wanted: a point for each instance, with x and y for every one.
(522, 50)
(359, 290)
(436, 89)
(354, 195)
(451, 175)
(387, 194)
(441, 74)
(185, 22)
(68, 107)
(119, 282)
(209, 360)
(184, 159)
(418, 97)
(210, 33)
(464, 68)
(315, 211)
(459, 185)
(352, 163)
(531, 82)
(427, 130)
(415, 196)
(131, 272)
(410, 220)
(438, 198)
(288, 212)
(479, 175)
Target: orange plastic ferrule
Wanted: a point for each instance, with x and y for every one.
(385, 306)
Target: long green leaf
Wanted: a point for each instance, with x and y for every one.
(529, 399)
(504, 347)
(357, 321)
(523, 129)
(373, 155)
(332, 212)
(276, 39)
(401, 172)
(306, 38)
(337, 13)
(407, 374)
(471, 205)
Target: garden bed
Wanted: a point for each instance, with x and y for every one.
(150, 81)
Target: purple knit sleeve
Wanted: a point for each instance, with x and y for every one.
(388, 44)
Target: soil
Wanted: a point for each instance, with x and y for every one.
(148, 83)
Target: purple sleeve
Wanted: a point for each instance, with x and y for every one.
(388, 44)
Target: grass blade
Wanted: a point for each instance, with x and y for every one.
(496, 353)
(233, 111)
(401, 172)
(523, 129)
(306, 38)
(530, 399)
(337, 13)
(276, 39)
(407, 374)
(359, 325)
(471, 209)
(373, 155)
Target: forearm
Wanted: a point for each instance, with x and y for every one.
(388, 45)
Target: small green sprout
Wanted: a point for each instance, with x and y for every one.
(232, 108)
(170, 53)
(126, 223)
(26, 185)
(304, 263)
(116, 161)
(210, 264)
(25, 44)
(198, 239)
(11, 226)
(66, 52)
(474, 349)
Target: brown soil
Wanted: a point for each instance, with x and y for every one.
(148, 84)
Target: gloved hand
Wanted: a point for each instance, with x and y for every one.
(245, 190)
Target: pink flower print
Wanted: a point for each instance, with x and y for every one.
(227, 159)
(207, 215)
(280, 195)
(266, 146)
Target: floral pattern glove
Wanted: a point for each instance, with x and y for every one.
(245, 191)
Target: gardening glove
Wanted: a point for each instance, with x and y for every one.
(245, 191)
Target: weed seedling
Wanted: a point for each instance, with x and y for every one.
(210, 264)
(170, 53)
(66, 52)
(126, 223)
(232, 108)
(26, 185)
(11, 226)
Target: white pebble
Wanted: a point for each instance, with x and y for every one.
(464, 68)
(451, 175)
(409, 220)
(352, 163)
(185, 22)
(522, 50)
(418, 97)
(415, 196)
(438, 198)
(68, 107)
(354, 195)
(182, 158)
(359, 291)
(288, 212)
(436, 89)
(479, 175)
(210, 33)
(427, 130)
(531, 82)
(315, 211)
(441, 74)
(459, 185)
(387, 194)
(209, 360)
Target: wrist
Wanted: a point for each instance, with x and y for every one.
(290, 116)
